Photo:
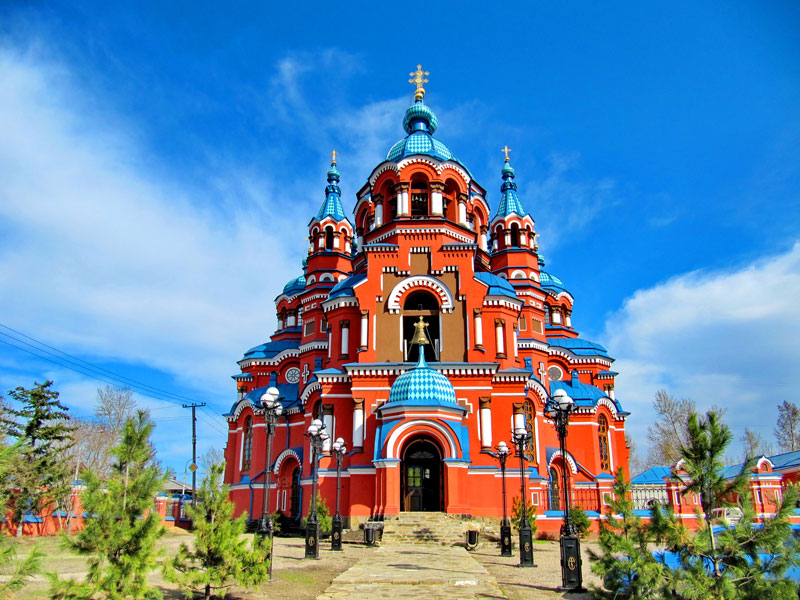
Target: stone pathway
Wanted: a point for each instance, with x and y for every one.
(406, 571)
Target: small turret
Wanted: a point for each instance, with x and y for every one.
(330, 230)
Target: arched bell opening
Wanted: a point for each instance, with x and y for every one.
(421, 303)
(422, 483)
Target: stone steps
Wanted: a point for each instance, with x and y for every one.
(424, 528)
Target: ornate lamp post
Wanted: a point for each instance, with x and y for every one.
(317, 435)
(558, 408)
(339, 448)
(521, 439)
(505, 526)
(272, 410)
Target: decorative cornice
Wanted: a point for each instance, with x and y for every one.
(275, 360)
(420, 281)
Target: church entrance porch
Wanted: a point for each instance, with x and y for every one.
(421, 477)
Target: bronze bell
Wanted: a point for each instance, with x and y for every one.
(419, 334)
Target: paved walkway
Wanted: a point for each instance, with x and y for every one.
(406, 571)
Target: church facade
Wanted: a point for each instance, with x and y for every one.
(424, 252)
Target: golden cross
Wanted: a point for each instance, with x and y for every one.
(506, 150)
(418, 78)
(333, 157)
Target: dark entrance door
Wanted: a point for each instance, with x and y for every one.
(294, 509)
(422, 477)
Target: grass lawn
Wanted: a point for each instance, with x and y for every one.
(293, 576)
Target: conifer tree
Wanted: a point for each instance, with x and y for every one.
(15, 573)
(119, 539)
(703, 461)
(40, 472)
(516, 514)
(220, 555)
(625, 563)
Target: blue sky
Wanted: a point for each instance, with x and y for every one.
(159, 163)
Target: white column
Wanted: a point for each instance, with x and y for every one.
(522, 237)
(568, 320)
(436, 203)
(378, 214)
(462, 213)
(556, 316)
(290, 320)
(360, 242)
(364, 328)
(611, 393)
(508, 238)
(347, 245)
(336, 237)
(321, 242)
(483, 242)
(345, 337)
(358, 423)
(328, 420)
(516, 353)
(501, 345)
(486, 424)
(478, 330)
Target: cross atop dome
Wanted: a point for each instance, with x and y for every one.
(505, 151)
(418, 78)
(333, 156)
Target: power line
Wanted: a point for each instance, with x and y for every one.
(73, 363)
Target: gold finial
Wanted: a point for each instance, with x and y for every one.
(506, 150)
(333, 156)
(418, 78)
(419, 334)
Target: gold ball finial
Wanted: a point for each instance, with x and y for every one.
(418, 78)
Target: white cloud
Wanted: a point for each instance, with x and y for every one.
(105, 258)
(730, 338)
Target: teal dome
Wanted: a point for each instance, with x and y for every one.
(418, 112)
(422, 386)
(551, 282)
(419, 123)
(295, 286)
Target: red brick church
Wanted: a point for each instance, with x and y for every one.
(421, 425)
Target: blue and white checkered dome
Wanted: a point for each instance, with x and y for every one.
(420, 123)
(422, 386)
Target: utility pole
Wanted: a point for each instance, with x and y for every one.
(194, 448)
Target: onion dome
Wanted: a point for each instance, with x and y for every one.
(295, 286)
(332, 207)
(422, 386)
(419, 123)
(509, 201)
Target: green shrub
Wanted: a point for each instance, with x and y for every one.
(516, 514)
(581, 521)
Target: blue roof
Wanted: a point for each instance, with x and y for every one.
(509, 201)
(550, 451)
(497, 285)
(578, 346)
(271, 349)
(550, 282)
(289, 395)
(785, 460)
(422, 386)
(345, 287)
(295, 286)
(583, 394)
(653, 475)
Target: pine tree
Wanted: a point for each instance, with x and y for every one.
(625, 563)
(516, 515)
(40, 472)
(119, 539)
(15, 573)
(703, 461)
(220, 556)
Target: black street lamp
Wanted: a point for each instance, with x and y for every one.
(505, 526)
(339, 448)
(522, 439)
(272, 410)
(558, 408)
(317, 435)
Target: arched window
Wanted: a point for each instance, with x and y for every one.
(514, 235)
(530, 426)
(602, 435)
(419, 199)
(555, 500)
(247, 444)
(421, 303)
(328, 238)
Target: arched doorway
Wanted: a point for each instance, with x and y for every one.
(421, 303)
(421, 484)
(555, 496)
(296, 491)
